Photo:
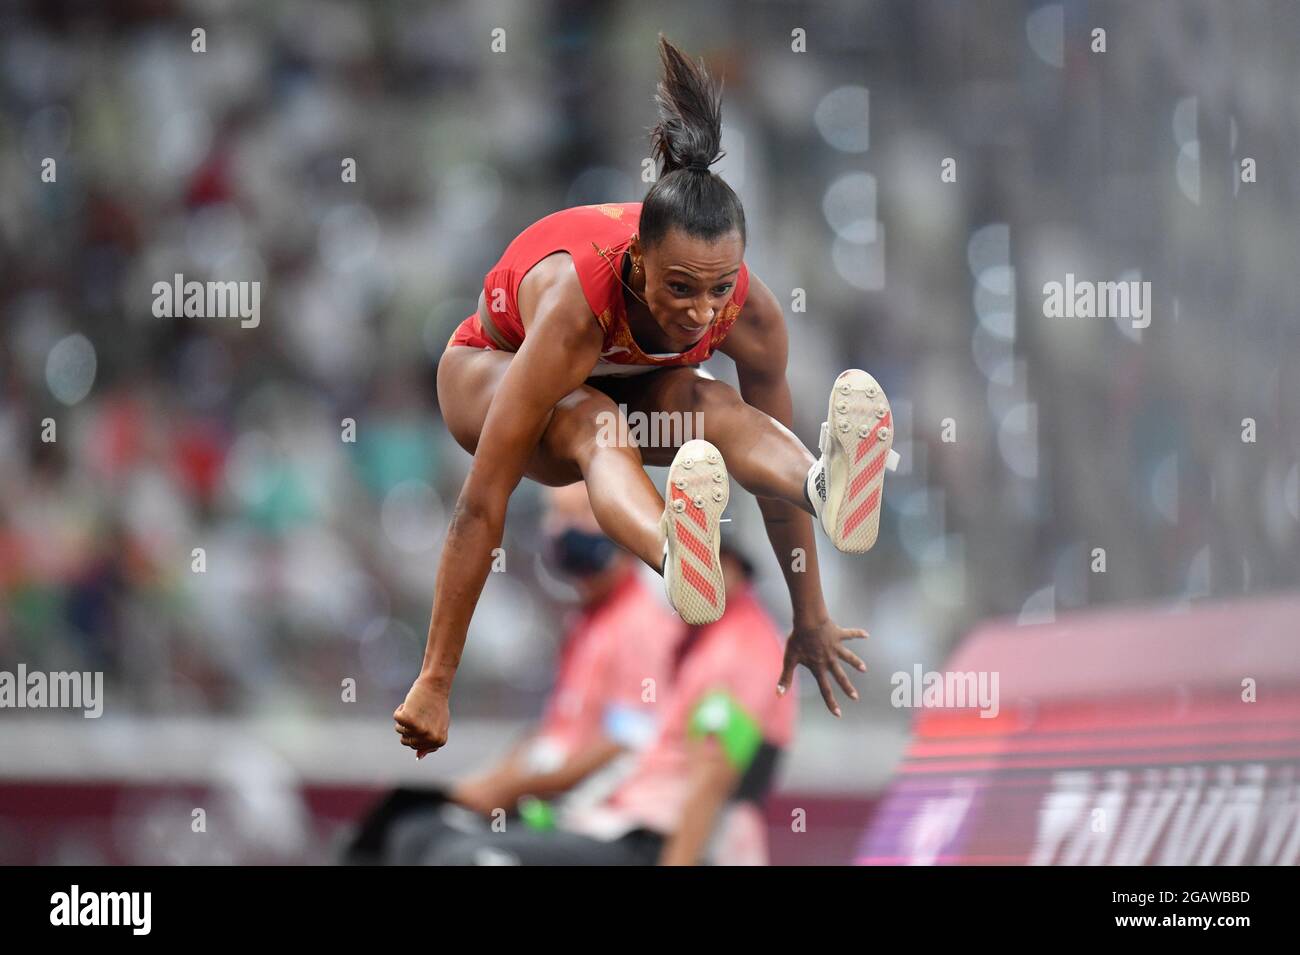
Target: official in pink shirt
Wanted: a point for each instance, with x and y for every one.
(613, 664)
(718, 741)
(706, 772)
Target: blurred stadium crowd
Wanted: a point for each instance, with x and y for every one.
(318, 553)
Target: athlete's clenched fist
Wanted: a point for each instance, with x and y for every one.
(423, 718)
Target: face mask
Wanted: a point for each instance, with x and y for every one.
(580, 554)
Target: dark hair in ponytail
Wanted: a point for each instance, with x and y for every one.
(686, 140)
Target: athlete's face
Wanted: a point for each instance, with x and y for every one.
(688, 281)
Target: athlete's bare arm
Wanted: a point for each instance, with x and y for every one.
(562, 346)
(759, 344)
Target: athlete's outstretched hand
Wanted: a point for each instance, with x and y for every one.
(820, 648)
(423, 719)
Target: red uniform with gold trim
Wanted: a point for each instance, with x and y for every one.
(597, 238)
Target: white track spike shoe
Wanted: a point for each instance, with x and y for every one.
(695, 497)
(856, 445)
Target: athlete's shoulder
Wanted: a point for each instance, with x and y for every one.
(556, 279)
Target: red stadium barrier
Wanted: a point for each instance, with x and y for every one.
(1121, 738)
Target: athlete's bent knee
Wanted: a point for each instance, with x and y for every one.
(585, 422)
(711, 395)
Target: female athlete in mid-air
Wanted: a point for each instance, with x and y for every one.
(597, 306)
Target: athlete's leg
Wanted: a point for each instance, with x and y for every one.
(623, 498)
(763, 455)
(842, 488)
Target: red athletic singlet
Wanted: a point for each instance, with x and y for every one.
(596, 237)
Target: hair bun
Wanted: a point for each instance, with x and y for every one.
(689, 132)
